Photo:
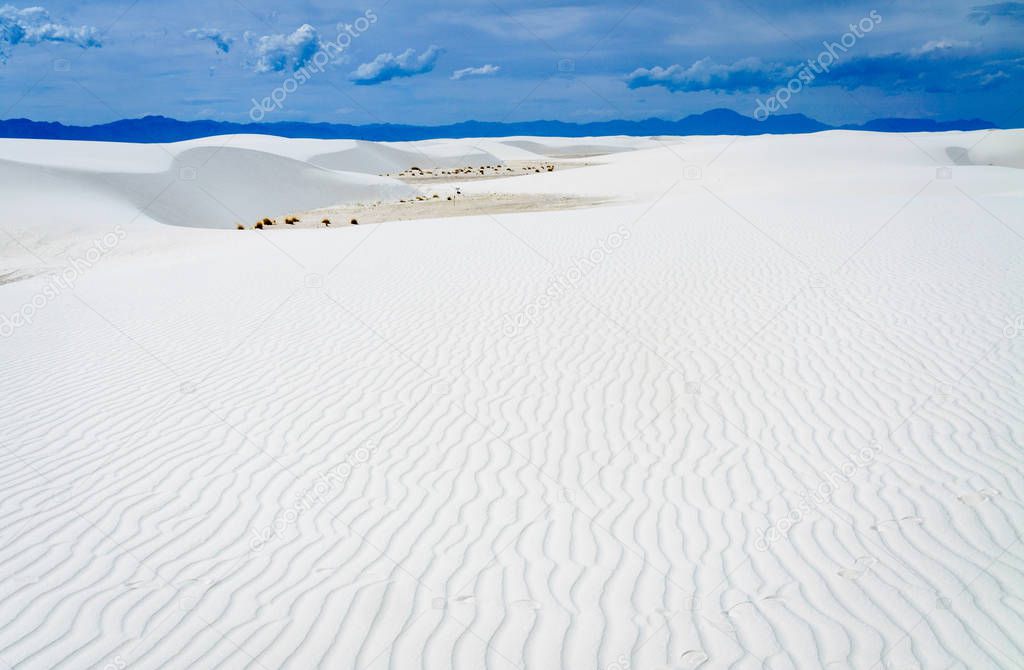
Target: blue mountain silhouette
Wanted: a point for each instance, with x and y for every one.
(714, 122)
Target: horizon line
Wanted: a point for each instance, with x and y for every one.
(788, 116)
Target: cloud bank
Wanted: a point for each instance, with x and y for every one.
(938, 66)
(749, 74)
(33, 25)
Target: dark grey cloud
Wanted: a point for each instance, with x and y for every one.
(939, 66)
(749, 74)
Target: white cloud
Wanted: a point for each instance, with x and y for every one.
(279, 53)
(215, 35)
(940, 45)
(475, 71)
(33, 25)
(388, 66)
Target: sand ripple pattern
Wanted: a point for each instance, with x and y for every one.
(240, 467)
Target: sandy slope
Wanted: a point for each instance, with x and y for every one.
(774, 422)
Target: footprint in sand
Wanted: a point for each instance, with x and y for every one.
(692, 659)
(740, 610)
(444, 603)
(892, 524)
(777, 593)
(688, 605)
(771, 599)
(860, 567)
(975, 498)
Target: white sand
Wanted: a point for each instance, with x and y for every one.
(478, 442)
(430, 207)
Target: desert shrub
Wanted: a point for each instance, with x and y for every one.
(354, 222)
(259, 225)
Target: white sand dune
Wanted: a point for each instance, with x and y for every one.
(569, 147)
(765, 411)
(210, 183)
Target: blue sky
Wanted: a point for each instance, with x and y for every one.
(439, 62)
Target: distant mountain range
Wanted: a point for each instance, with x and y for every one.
(151, 129)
